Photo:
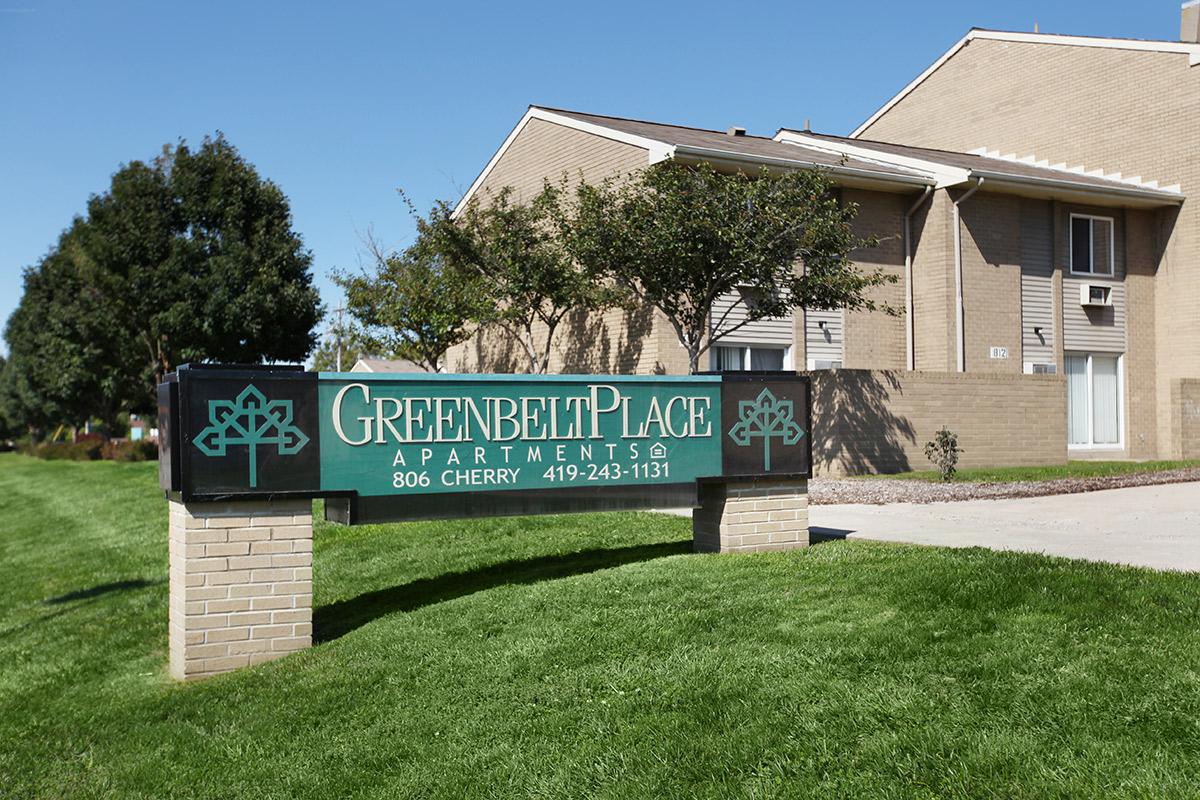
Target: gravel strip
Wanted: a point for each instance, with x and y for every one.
(830, 491)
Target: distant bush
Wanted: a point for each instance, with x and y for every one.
(143, 450)
(92, 447)
(87, 450)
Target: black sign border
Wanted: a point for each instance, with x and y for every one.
(767, 376)
(175, 478)
(180, 483)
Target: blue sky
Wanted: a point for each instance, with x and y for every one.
(341, 103)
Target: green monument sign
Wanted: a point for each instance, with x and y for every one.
(383, 447)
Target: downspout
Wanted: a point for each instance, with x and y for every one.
(959, 317)
(908, 278)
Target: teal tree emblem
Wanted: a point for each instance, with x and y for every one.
(250, 421)
(766, 417)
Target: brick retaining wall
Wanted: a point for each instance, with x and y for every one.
(879, 420)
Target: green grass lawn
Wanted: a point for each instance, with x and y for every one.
(1072, 469)
(588, 656)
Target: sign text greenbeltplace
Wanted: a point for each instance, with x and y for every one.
(406, 436)
(445, 444)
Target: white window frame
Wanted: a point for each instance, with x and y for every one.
(1112, 246)
(1091, 431)
(746, 348)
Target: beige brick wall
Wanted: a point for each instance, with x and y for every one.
(1124, 111)
(867, 421)
(240, 584)
(1142, 433)
(548, 151)
(751, 516)
(991, 263)
(1185, 398)
(875, 340)
(934, 336)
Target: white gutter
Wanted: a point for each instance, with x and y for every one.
(908, 277)
(959, 317)
(1089, 188)
(793, 163)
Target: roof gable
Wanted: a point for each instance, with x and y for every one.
(1191, 50)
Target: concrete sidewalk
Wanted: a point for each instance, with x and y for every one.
(1148, 526)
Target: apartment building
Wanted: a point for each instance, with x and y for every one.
(1123, 106)
(1048, 293)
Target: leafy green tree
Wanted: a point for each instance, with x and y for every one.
(415, 304)
(350, 340)
(190, 257)
(681, 237)
(196, 252)
(530, 280)
(66, 352)
(10, 416)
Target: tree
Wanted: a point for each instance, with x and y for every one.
(681, 237)
(415, 305)
(196, 252)
(190, 257)
(66, 353)
(10, 416)
(530, 279)
(352, 343)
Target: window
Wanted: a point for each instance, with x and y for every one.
(763, 358)
(1093, 400)
(729, 359)
(1091, 245)
(740, 357)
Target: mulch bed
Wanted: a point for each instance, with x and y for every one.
(829, 491)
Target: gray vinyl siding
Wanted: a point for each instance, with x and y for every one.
(1097, 330)
(1037, 282)
(823, 345)
(1093, 330)
(778, 332)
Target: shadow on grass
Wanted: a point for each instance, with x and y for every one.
(101, 589)
(87, 596)
(338, 619)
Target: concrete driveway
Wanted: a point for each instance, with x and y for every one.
(1148, 526)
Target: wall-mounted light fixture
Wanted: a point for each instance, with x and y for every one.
(821, 324)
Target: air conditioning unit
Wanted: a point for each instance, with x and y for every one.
(1095, 295)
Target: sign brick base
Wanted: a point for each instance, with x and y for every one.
(241, 584)
(750, 516)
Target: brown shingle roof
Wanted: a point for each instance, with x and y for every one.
(752, 147)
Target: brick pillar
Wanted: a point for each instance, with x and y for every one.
(241, 584)
(745, 517)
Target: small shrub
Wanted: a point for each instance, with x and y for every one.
(943, 451)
